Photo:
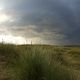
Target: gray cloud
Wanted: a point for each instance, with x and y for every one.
(50, 21)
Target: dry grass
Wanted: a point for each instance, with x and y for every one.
(40, 62)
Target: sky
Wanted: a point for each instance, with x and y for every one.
(40, 21)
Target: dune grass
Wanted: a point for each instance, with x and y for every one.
(41, 62)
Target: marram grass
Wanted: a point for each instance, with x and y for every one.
(34, 62)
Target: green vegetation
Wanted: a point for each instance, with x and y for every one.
(39, 62)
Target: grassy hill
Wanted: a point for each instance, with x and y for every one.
(39, 62)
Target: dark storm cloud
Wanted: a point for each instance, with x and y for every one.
(54, 21)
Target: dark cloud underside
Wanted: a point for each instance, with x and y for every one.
(46, 21)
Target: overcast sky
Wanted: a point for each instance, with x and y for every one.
(42, 21)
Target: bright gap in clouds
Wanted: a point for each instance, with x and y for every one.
(12, 39)
(3, 17)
